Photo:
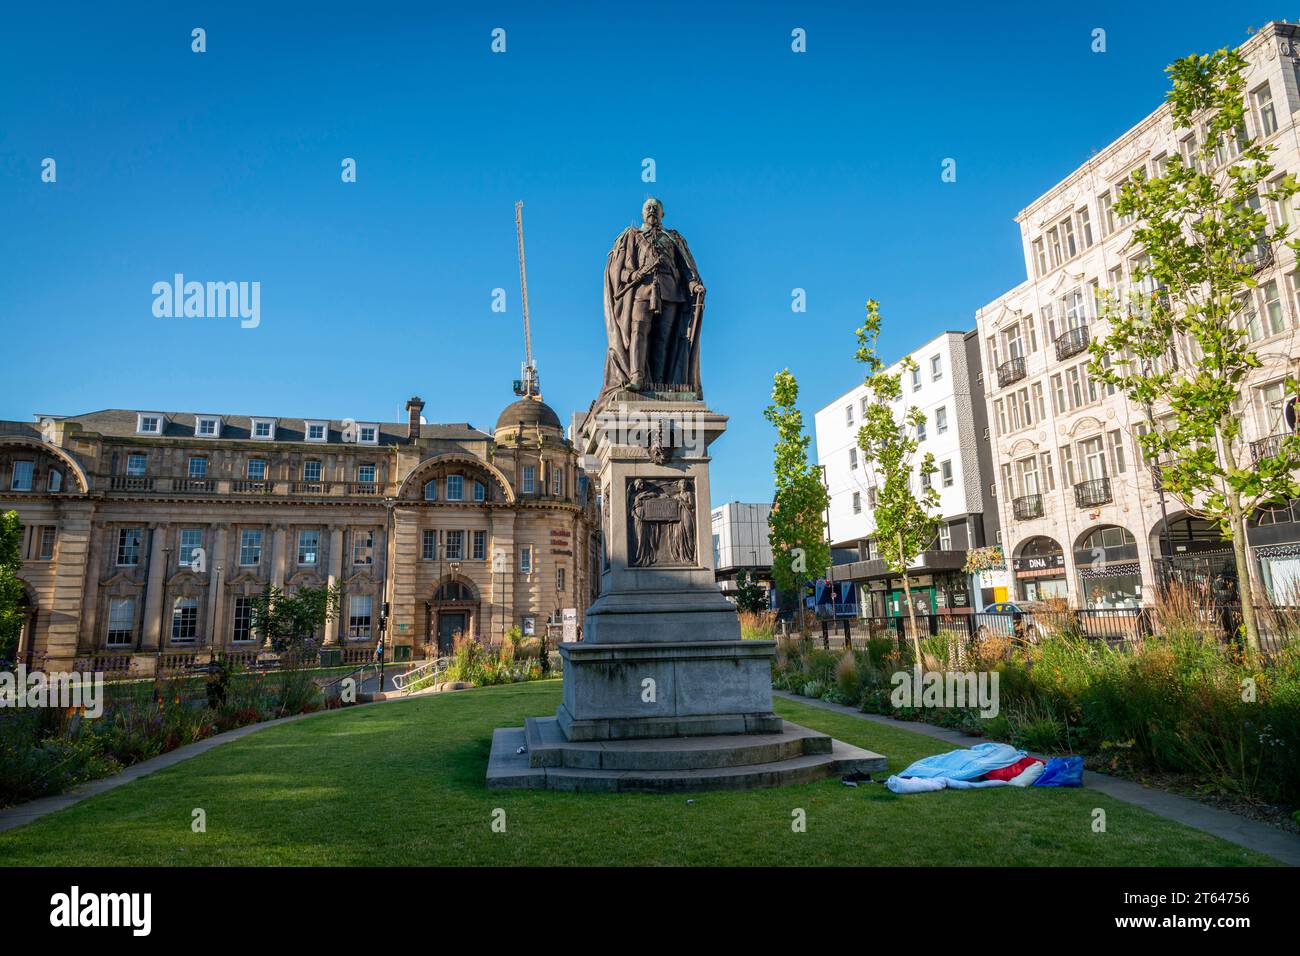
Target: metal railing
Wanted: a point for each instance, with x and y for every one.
(1267, 447)
(1089, 494)
(1072, 342)
(182, 484)
(1012, 370)
(1027, 507)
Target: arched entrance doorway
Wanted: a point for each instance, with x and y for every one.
(453, 611)
(1193, 554)
(1039, 567)
(1106, 558)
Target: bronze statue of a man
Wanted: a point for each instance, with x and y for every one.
(654, 304)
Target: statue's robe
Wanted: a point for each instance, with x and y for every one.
(629, 254)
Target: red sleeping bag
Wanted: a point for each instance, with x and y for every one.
(1014, 770)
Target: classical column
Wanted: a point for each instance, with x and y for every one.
(90, 599)
(279, 537)
(154, 599)
(216, 560)
(336, 572)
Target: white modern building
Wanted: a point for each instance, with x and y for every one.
(740, 543)
(1081, 512)
(947, 387)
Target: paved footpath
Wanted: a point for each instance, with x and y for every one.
(1260, 837)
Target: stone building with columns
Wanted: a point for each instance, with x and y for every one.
(146, 533)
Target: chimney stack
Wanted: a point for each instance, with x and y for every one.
(414, 407)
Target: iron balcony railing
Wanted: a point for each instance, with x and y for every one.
(1027, 506)
(1259, 257)
(183, 484)
(1267, 447)
(1012, 370)
(1071, 342)
(1089, 494)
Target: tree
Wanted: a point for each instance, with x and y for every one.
(750, 596)
(1204, 240)
(904, 513)
(11, 588)
(291, 621)
(796, 524)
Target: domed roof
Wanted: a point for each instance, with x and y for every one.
(530, 411)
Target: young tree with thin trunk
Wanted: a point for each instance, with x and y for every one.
(796, 524)
(1181, 347)
(906, 507)
(11, 588)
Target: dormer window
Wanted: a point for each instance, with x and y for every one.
(263, 429)
(317, 431)
(207, 426)
(367, 434)
(148, 424)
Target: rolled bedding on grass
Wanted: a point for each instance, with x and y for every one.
(1004, 765)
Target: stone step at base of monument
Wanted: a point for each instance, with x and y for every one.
(673, 764)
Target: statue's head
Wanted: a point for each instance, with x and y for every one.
(652, 212)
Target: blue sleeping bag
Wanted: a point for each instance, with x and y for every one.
(965, 764)
(1062, 772)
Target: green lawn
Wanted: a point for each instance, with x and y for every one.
(403, 784)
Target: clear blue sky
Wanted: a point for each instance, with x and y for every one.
(819, 171)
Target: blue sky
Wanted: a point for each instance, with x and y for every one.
(818, 170)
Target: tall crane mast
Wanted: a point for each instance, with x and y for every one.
(528, 385)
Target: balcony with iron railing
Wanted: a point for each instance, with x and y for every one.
(1011, 371)
(1089, 494)
(1259, 257)
(166, 484)
(1267, 447)
(1071, 342)
(1027, 507)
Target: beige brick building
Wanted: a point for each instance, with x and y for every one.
(145, 533)
(1082, 515)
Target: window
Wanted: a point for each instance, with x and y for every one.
(848, 415)
(526, 559)
(198, 468)
(368, 434)
(363, 547)
(1040, 257)
(250, 548)
(1002, 416)
(559, 579)
(309, 546)
(1282, 209)
(129, 541)
(480, 546)
(1107, 208)
(1160, 166)
(530, 479)
(1040, 404)
(54, 483)
(317, 431)
(1117, 452)
(243, 629)
(136, 465)
(916, 379)
(925, 480)
(429, 545)
(1265, 112)
(22, 479)
(455, 488)
(945, 537)
(945, 472)
(1272, 399)
(1273, 319)
(256, 469)
(366, 473)
(1093, 451)
(1054, 244)
(359, 617)
(1067, 466)
(857, 503)
(1067, 238)
(941, 419)
(1028, 470)
(455, 544)
(263, 428)
(1085, 226)
(45, 549)
(185, 620)
(871, 497)
(480, 491)
(1049, 476)
(311, 470)
(121, 621)
(864, 404)
(148, 424)
(920, 431)
(853, 459)
(431, 490)
(207, 426)
(557, 481)
(936, 367)
(191, 541)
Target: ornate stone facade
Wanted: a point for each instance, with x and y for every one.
(448, 527)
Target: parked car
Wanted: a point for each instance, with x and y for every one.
(1009, 618)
